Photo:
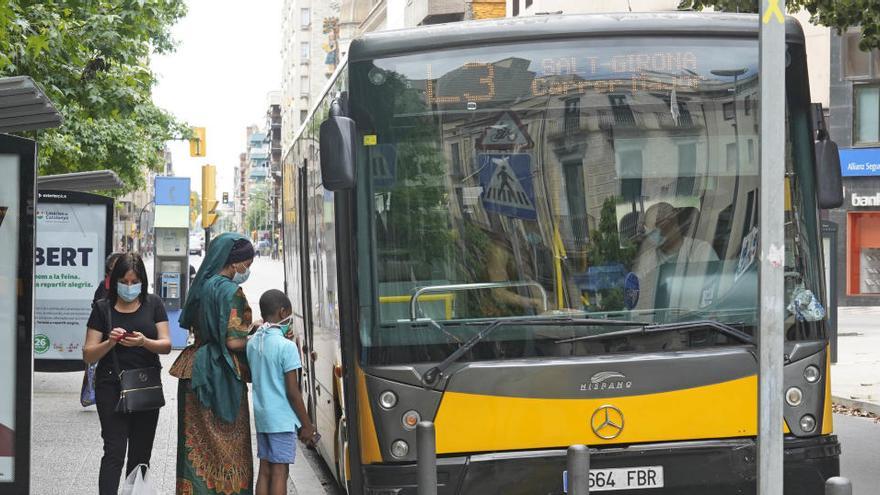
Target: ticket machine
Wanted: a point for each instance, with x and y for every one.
(171, 268)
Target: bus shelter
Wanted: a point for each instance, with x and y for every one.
(23, 106)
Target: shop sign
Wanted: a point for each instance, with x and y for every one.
(860, 162)
(863, 200)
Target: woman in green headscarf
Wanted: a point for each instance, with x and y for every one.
(213, 432)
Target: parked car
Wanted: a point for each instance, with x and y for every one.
(196, 245)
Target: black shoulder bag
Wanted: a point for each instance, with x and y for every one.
(140, 388)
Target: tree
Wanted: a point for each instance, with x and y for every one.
(837, 14)
(605, 251)
(258, 215)
(92, 59)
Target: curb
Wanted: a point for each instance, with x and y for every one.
(857, 404)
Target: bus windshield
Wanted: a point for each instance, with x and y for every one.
(613, 178)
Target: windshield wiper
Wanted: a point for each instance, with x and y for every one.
(431, 376)
(668, 327)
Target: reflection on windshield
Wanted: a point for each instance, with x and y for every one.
(568, 177)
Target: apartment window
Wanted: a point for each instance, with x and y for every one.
(866, 114)
(572, 117)
(305, 18)
(623, 114)
(455, 152)
(528, 3)
(729, 110)
(304, 51)
(304, 84)
(858, 64)
(687, 169)
(515, 7)
(732, 157)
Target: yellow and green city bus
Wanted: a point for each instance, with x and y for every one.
(542, 232)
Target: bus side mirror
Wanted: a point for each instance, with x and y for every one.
(338, 152)
(829, 183)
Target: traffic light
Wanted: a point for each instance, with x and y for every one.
(193, 207)
(225, 198)
(209, 204)
(197, 144)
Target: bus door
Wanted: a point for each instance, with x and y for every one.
(308, 334)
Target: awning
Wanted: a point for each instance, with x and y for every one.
(99, 180)
(24, 106)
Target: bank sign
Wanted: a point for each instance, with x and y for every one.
(860, 162)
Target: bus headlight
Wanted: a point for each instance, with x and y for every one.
(808, 423)
(794, 396)
(399, 449)
(387, 399)
(411, 419)
(812, 374)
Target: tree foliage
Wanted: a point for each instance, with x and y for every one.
(91, 57)
(837, 14)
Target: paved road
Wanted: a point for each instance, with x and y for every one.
(856, 375)
(66, 445)
(860, 460)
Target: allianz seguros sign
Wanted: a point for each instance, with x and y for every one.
(860, 162)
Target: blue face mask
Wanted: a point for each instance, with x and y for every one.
(128, 293)
(240, 278)
(656, 237)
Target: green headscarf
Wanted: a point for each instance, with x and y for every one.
(215, 380)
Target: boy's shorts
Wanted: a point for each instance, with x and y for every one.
(277, 448)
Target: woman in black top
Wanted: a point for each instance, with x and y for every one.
(132, 310)
(104, 286)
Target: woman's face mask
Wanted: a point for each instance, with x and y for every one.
(241, 277)
(656, 237)
(128, 293)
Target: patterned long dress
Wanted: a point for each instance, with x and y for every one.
(214, 457)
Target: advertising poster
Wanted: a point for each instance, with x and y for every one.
(69, 265)
(9, 232)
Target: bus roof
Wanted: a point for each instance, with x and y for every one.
(510, 30)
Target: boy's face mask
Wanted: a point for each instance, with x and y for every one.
(284, 324)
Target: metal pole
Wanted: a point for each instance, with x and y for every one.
(772, 242)
(578, 460)
(838, 486)
(426, 467)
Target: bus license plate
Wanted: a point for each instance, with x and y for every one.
(606, 480)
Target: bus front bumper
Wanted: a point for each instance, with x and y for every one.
(689, 468)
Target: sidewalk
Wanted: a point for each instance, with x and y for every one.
(855, 379)
(67, 447)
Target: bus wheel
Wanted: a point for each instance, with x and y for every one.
(341, 448)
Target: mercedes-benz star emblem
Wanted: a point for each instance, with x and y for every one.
(607, 422)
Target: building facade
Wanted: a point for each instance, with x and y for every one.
(854, 124)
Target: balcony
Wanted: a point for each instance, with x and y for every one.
(423, 12)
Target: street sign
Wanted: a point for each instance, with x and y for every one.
(172, 190)
(507, 184)
(508, 132)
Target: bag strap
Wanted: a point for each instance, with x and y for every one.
(110, 327)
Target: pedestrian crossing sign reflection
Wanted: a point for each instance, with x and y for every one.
(507, 184)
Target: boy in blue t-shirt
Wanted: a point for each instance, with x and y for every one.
(278, 404)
